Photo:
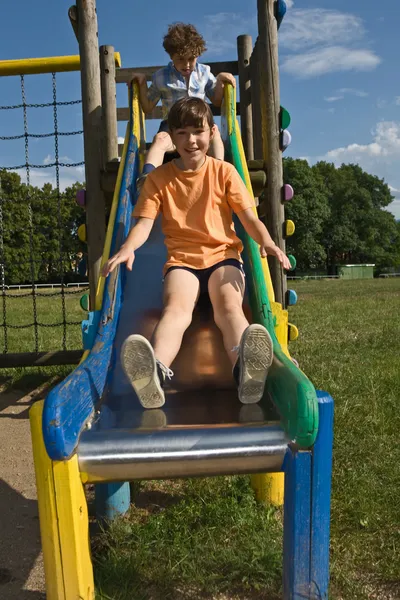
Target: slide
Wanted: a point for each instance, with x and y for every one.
(95, 412)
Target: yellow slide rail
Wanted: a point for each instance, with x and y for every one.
(47, 64)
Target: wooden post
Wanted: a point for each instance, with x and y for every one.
(109, 104)
(270, 108)
(73, 18)
(244, 47)
(91, 109)
(255, 102)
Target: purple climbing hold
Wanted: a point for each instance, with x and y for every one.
(81, 198)
(287, 192)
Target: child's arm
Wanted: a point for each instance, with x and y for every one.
(257, 230)
(138, 235)
(222, 80)
(146, 104)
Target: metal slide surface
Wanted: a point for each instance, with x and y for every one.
(203, 397)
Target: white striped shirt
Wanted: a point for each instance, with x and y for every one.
(169, 85)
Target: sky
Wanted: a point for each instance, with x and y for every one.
(338, 74)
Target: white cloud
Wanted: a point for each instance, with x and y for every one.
(216, 26)
(397, 101)
(307, 28)
(333, 98)
(121, 140)
(289, 3)
(353, 92)
(329, 60)
(380, 157)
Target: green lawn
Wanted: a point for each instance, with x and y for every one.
(208, 538)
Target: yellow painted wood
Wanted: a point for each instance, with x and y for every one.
(269, 487)
(281, 325)
(82, 232)
(289, 228)
(47, 508)
(73, 524)
(47, 64)
(293, 332)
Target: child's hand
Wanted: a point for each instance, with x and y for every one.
(139, 77)
(274, 250)
(125, 255)
(226, 78)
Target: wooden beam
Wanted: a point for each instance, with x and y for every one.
(73, 19)
(92, 138)
(156, 113)
(245, 47)
(270, 108)
(40, 359)
(256, 102)
(125, 75)
(109, 105)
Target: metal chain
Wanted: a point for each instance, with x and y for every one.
(37, 324)
(39, 135)
(30, 166)
(14, 296)
(60, 225)
(30, 214)
(45, 105)
(3, 282)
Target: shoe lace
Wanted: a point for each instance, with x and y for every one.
(166, 370)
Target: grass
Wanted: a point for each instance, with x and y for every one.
(208, 538)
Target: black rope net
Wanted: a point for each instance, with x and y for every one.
(39, 305)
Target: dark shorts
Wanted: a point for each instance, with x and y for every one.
(203, 275)
(163, 126)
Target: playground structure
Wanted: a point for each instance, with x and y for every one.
(91, 428)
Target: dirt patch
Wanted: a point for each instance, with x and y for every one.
(21, 563)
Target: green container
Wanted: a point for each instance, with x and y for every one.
(356, 271)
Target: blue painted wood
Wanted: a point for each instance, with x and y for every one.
(321, 498)
(112, 500)
(280, 11)
(89, 329)
(297, 523)
(70, 405)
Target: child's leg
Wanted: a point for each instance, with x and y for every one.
(162, 143)
(145, 366)
(181, 291)
(217, 149)
(226, 289)
(249, 347)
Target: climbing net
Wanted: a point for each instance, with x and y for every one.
(25, 313)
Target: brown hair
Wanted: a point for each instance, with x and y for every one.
(189, 112)
(184, 39)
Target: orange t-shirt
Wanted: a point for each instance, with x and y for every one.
(196, 209)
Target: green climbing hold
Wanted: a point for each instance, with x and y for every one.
(84, 302)
(284, 118)
(292, 261)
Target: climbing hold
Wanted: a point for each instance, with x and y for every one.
(284, 118)
(288, 228)
(280, 11)
(81, 198)
(82, 232)
(291, 298)
(293, 332)
(292, 261)
(84, 302)
(285, 139)
(287, 192)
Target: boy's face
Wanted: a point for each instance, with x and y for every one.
(192, 143)
(184, 64)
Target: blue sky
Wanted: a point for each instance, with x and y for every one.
(338, 67)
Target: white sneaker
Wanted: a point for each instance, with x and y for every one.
(143, 371)
(255, 357)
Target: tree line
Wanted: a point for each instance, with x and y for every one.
(339, 214)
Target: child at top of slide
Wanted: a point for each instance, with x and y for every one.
(196, 195)
(183, 77)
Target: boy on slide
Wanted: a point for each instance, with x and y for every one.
(183, 77)
(195, 195)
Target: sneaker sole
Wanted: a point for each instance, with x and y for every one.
(256, 355)
(139, 364)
